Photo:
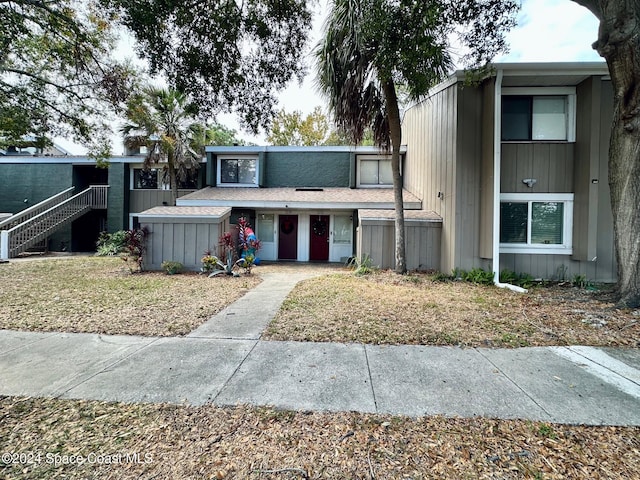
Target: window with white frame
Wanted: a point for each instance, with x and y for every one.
(342, 229)
(148, 179)
(238, 171)
(158, 179)
(536, 223)
(374, 171)
(538, 114)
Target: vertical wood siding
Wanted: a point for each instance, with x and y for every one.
(555, 267)
(429, 131)
(180, 242)
(449, 165)
(443, 166)
(487, 169)
(551, 164)
(141, 200)
(377, 241)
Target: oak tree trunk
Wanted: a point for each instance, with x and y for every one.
(395, 133)
(619, 44)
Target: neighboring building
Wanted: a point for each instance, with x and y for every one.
(32, 185)
(318, 204)
(507, 174)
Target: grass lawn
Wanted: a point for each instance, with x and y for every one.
(141, 441)
(74, 439)
(384, 308)
(100, 295)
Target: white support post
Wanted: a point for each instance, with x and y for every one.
(4, 245)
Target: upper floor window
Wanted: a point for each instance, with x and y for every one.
(150, 179)
(238, 171)
(155, 179)
(547, 114)
(374, 171)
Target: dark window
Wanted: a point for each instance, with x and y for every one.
(242, 171)
(145, 179)
(513, 222)
(190, 182)
(516, 118)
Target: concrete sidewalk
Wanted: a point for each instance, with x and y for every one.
(225, 362)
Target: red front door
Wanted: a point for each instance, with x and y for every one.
(288, 237)
(319, 247)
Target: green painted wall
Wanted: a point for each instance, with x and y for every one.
(33, 182)
(307, 169)
(298, 169)
(118, 198)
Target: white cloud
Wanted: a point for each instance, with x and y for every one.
(553, 31)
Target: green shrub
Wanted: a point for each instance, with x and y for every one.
(508, 276)
(441, 277)
(523, 280)
(580, 281)
(171, 267)
(361, 266)
(110, 244)
(479, 276)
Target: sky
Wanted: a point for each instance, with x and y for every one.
(547, 31)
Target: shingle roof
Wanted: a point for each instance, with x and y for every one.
(409, 215)
(185, 212)
(371, 198)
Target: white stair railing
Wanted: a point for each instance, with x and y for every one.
(20, 237)
(36, 209)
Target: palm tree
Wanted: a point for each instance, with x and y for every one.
(163, 120)
(359, 84)
(373, 46)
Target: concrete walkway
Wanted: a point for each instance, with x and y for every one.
(224, 362)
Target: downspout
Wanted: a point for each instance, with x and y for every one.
(497, 154)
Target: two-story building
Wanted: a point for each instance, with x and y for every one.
(517, 169)
(509, 173)
(318, 204)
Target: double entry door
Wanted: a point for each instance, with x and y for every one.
(279, 235)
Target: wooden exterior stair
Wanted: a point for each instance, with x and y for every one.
(25, 229)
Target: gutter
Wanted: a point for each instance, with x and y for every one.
(497, 153)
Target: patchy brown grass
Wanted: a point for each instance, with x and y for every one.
(384, 308)
(99, 295)
(73, 439)
(141, 441)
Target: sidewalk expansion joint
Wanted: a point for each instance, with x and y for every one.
(107, 368)
(373, 391)
(213, 400)
(45, 336)
(503, 373)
